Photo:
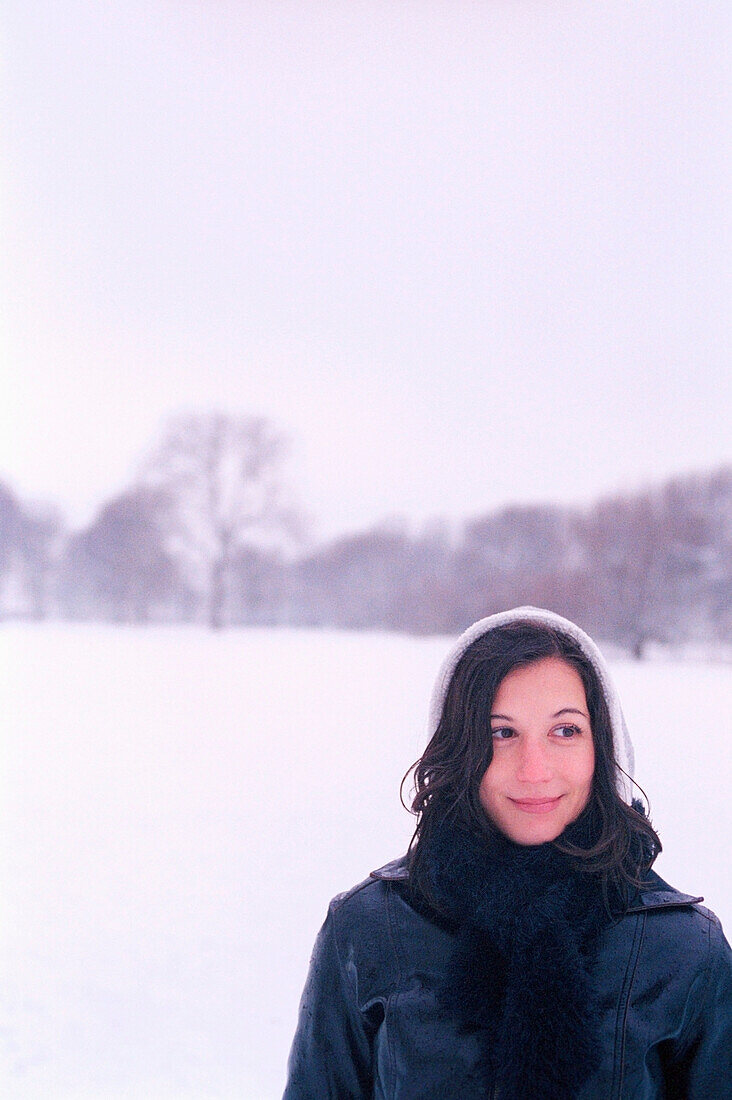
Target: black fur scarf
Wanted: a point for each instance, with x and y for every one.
(528, 920)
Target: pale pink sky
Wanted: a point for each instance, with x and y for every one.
(464, 253)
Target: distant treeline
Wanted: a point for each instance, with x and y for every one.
(206, 536)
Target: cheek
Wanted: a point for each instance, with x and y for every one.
(493, 779)
(489, 776)
(585, 771)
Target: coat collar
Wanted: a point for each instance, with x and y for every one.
(395, 871)
(655, 894)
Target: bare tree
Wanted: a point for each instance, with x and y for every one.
(649, 556)
(700, 508)
(29, 537)
(718, 502)
(222, 475)
(11, 518)
(259, 587)
(520, 554)
(356, 580)
(118, 567)
(39, 546)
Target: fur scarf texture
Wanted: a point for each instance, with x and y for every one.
(527, 922)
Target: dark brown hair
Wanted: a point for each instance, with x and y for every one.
(447, 776)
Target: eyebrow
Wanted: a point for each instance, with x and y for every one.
(564, 710)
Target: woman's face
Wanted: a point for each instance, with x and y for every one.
(540, 777)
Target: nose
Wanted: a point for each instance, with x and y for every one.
(534, 765)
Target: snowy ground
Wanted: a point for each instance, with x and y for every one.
(178, 808)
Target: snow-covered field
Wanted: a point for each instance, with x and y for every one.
(177, 809)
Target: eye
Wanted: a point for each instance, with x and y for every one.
(502, 733)
(567, 732)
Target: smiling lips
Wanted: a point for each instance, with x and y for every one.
(536, 805)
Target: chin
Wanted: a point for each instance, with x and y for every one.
(523, 828)
(535, 834)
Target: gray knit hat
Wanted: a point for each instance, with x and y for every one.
(624, 757)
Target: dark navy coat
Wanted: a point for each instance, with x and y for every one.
(370, 1025)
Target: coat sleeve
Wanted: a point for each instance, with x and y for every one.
(331, 1055)
(704, 1068)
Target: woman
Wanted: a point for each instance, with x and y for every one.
(523, 949)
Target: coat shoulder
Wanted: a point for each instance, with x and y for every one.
(363, 929)
(689, 927)
(677, 925)
(362, 915)
(657, 894)
(370, 895)
(366, 897)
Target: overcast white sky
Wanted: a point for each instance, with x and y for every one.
(463, 253)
